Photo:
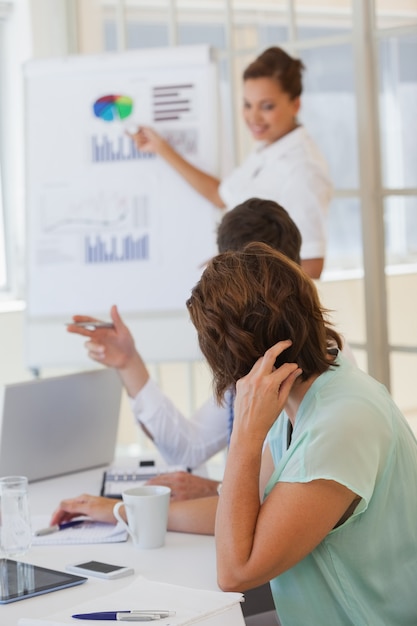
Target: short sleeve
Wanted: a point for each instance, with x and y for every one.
(348, 445)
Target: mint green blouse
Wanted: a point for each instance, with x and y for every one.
(348, 429)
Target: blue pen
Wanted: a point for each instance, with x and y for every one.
(126, 616)
(56, 527)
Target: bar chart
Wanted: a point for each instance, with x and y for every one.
(105, 149)
(116, 249)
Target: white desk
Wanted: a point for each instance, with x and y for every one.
(186, 559)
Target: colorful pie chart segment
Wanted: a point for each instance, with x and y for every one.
(110, 108)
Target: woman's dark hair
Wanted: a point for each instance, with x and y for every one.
(248, 300)
(277, 64)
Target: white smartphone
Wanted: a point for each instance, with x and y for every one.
(102, 570)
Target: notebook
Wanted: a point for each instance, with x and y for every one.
(191, 606)
(87, 532)
(59, 425)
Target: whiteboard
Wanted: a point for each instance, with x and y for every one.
(107, 224)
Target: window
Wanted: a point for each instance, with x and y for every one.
(398, 127)
(3, 243)
(15, 49)
(3, 265)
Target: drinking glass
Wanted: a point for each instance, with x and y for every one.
(15, 527)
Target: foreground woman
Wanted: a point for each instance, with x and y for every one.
(339, 475)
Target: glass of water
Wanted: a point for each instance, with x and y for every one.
(15, 527)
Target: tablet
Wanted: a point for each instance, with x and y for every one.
(20, 580)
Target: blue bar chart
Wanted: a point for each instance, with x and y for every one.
(122, 148)
(116, 250)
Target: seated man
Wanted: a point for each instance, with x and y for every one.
(182, 441)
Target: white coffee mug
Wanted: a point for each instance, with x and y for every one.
(147, 514)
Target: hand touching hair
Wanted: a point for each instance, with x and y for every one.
(248, 300)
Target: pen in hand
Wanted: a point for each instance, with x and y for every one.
(56, 527)
(91, 325)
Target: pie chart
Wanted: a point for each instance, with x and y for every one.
(110, 108)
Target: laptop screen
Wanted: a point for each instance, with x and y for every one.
(59, 425)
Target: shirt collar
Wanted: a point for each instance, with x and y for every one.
(283, 145)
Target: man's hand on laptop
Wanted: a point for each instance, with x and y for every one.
(186, 486)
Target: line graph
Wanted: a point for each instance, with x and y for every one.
(64, 212)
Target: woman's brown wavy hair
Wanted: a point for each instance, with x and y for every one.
(248, 300)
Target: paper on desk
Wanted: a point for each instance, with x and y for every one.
(190, 605)
(89, 532)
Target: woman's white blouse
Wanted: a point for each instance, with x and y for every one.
(293, 173)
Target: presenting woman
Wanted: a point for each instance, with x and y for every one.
(285, 165)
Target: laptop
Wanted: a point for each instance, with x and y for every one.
(59, 425)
